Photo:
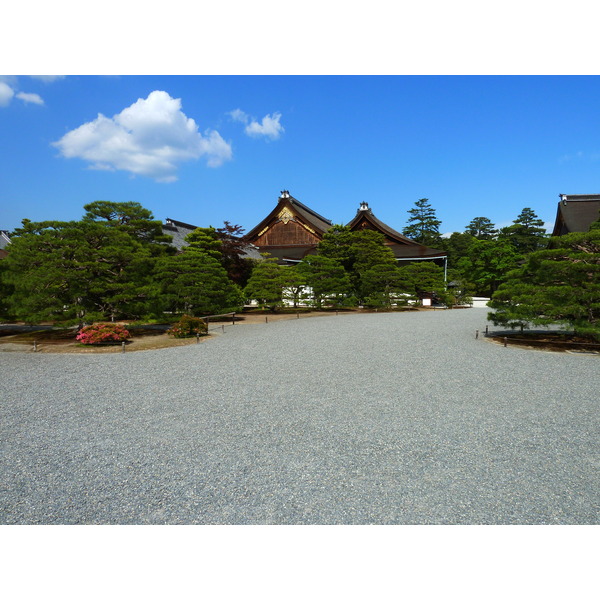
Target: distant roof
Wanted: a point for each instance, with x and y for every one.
(576, 212)
(178, 230)
(4, 238)
(401, 246)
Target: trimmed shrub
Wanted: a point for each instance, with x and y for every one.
(103, 333)
(188, 326)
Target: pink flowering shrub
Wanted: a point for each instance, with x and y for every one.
(101, 333)
(188, 326)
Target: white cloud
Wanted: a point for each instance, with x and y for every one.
(47, 78)
(6, 94)
(30, 98)
(150, 137)
(269, 127)
(239, 115)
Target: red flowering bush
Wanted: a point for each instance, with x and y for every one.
(188, 326)
(102, 333)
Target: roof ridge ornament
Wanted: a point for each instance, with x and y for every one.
(284, 194)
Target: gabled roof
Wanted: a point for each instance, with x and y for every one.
(178, 230)
(311, 218)
(4, 238)
(402, 246)
(576, 213)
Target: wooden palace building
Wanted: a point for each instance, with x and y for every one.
(292, 231)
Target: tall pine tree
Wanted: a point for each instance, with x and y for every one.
(423, 225)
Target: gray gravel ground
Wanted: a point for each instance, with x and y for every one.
(351, 419)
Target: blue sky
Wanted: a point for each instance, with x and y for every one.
(204, 149)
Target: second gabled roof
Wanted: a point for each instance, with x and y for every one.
(576, 213)
(400, 244)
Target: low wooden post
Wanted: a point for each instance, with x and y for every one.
(505, 342)
(477, 334)
(34, 345)
(223, 328)
(486, 330)
(197, 338)
(266, 319)
(122, 346)
(233, 318)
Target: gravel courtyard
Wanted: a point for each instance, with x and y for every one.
(398, 418)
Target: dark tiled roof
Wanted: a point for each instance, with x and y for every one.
(4, 238)
(401, 246)
(178, 230)
(576, 213)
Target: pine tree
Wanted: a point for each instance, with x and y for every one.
(266, 283)
(424, 226)
(326, 277)
(194, 282)
(558, 285)
(481, 228)
(527, 233)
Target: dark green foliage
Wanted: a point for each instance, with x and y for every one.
(326, 277)
(114, 263)
(227, 246)
(527, 233)
(188, 326)
(294, 284)
(130, 217)
(456, 247)
(558, 285)
(357, 252)
(486, 264)
(75, 272)
(383, 285)
(481, 228)
(196, 283)
(206, 240)
(266, 283)
(423, 277)
(423, 225)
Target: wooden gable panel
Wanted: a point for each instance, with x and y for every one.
(284, 234)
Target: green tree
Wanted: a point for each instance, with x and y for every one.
(456, 247)
(527, 233)
(206, 239)
(423, 277)
(326, 277)
(382, 284)
(75, 271)
(194, 282)
(267, 282)
(558, 285)
(481, 228)
(487, 264)
(423, 225)
(130, 217)
(357, 252)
